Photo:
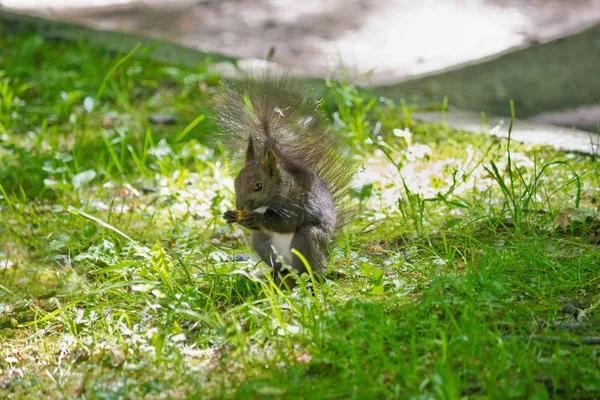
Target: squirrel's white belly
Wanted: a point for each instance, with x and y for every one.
(283, 245)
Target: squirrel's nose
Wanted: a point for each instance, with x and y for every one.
(243, 205)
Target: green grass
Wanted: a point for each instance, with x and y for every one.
(470, 270)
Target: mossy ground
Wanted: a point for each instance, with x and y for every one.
(471, 269)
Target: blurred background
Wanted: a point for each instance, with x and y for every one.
(544, 54)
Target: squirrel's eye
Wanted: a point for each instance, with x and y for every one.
(257, 187)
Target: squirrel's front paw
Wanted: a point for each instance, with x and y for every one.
(251, 221)
(230, 216)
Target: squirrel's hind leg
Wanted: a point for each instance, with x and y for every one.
(311, 242)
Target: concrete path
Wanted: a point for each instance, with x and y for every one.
(387, 40)
(404, 47)
(533, 133)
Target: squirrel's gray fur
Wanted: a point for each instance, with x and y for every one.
(296, 172)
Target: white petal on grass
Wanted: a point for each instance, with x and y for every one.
(50, 182)
(133, 190)
(5, 263)
(161, 150)
(151, 332)
(88, 104)
(439, 261)
(196, 353)
(83, 177)
(419, 150)
(99, 205)
(293, 328)
(141, 287)
(179, 338)
(403, 133)
(289, 329)
(218, 256)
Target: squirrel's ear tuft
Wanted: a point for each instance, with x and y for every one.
(270, 160)
(249, 150)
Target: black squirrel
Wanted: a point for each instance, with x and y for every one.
(291, 191)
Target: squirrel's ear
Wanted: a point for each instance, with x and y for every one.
(249, 150)
(269, 161)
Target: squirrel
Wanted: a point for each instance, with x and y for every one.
(291, 191)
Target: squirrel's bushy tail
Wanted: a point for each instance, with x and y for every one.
(274, 106)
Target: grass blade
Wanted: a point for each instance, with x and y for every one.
(116, 66)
